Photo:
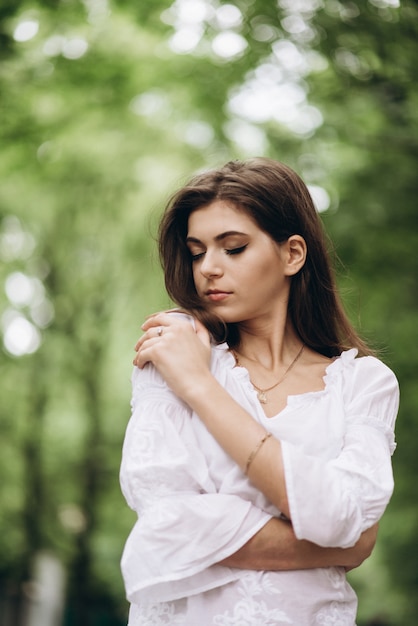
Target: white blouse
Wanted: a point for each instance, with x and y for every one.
(196, 507)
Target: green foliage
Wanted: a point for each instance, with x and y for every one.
(100, 121)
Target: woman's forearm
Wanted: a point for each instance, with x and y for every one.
(239, 434)
(275, 547)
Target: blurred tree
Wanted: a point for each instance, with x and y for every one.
(104, 108)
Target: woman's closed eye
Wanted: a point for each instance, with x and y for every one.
(236, 250)
(195, 256)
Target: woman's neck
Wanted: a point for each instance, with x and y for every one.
(270, 346)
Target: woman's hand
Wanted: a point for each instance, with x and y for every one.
(275, 547)
(179, 349)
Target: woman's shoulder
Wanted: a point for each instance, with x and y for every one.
(368, 369)
(361, 367)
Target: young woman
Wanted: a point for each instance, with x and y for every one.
(258, 455)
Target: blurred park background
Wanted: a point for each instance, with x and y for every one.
(106, 106)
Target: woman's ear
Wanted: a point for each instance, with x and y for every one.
(296, 251)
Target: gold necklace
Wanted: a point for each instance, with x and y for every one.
(262, 393)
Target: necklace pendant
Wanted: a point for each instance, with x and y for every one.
(262, 397)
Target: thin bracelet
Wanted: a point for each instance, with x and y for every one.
(254, 452)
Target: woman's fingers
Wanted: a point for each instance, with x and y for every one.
(155, 325)
(162, 319)
(152, 327)
(179, 349)
(151, 337)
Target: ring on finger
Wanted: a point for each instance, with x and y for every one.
(160, 331)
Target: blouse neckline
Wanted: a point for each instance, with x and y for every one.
(331, 374)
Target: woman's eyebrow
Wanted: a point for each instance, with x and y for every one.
(228, 233)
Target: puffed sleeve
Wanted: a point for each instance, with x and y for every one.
(184, 526)
(332, 501)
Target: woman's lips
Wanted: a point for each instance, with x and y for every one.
(217, 296)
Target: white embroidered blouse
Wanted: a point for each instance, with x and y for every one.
(196, 507)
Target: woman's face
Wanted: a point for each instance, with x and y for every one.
(239, 271)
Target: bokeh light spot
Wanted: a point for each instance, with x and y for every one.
(26, 30)
(19, 335)
(320, 197)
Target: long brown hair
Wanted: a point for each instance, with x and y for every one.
(279, 202)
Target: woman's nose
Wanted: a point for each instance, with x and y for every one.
(211, 265)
